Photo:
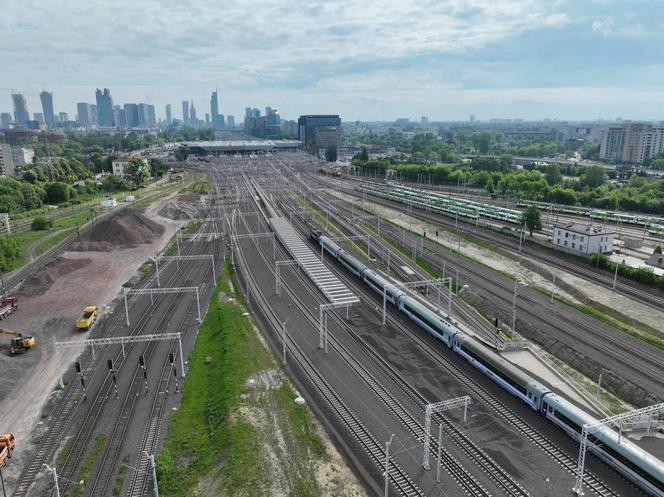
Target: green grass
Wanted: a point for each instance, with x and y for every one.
(207, 437)
(88, 464)
(119, 481)
(54, 240)
(200, 430)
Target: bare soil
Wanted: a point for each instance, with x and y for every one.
(39, 283)
(181, 207)
(48, 307)
(125, 229)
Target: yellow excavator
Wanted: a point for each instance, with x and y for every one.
(18, 343)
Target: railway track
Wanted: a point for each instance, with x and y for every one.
(497, 474)
(640, 293)
(398, 477)
(517, 422)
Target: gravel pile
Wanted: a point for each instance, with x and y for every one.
(181, 207)
(123, 230)
(40, 282)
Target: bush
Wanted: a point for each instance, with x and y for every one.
(41, 223)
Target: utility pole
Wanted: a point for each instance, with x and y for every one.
(387, 465)
(55, 479)
(283, 327)
(516, 282)
(154, 472)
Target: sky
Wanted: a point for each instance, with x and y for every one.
(362, 59)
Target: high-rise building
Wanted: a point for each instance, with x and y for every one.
(273, 123)
(105, 117)
(131, 115)
(21, 114)
(207, 118)
(47, 106)
(307, 129)
(424, 121)
(152, 116)
(185, 111)
(192, 113)
(120, 117)
(230, 120)
(93, 112)
(631, 142)
(84, 114)
(39, 117)
(169, 116)
(472, 118)
(6, 119)
(214, 107)
(143, 118)
(64, 117)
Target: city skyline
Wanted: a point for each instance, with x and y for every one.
(446, 60)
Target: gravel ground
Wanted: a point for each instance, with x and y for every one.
(29, 380)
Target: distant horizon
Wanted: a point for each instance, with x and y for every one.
(529, 59)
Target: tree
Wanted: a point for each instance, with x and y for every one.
(658, 250)
(182, 153)
(137, 170)
(594, 177)
(58, 192)
(40, 223)
(531, 219)
(331, 153)
(113, 183)
(363, 155)
(553, 175)
(159, 167)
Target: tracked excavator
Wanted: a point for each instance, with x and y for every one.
(19, 343)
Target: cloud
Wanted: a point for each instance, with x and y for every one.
(261, 50)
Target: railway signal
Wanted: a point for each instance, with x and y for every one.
(77, 365)
(115, 381)
(171, 360)
(141, 362)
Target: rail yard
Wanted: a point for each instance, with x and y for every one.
(410, 353)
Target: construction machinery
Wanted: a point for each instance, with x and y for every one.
(7, 306)
(84, 323)
(18, 343)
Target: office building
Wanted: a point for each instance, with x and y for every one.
(192, 113)
(131, 115)
(63, 117)
(6, 119)
(152, 116)
(472, 118)
(47, 106)
(169, 116)
(230, 121)
(21, 115)
(84, 114)
(143, 118)
(120, 117)
(307, 126)
(272, 123)
(104, 108)
(93, 112)
(185, 111)
(583, 239)
(39, 117)
(207, 118)
(424, 121)
(402, 121)
(326, 136)
(216, 118)
(631, 142)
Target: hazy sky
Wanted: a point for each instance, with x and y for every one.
(363, 59)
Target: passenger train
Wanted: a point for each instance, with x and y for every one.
(630, 460)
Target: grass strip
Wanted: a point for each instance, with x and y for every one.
(88, 464)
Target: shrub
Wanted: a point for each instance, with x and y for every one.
(41, 223)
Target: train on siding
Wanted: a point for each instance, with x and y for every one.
(630, 460)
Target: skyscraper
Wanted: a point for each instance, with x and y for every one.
(84, 114)
(6, 119)
(64, 117)
(104, 108)
(152, 116)
(214, 107)
(143, 115)
(47, 106)
(169, 116)
(230, 120)
(21, 115)
(131, 115)
(307, 126)
(273, 123)
(192, 113)
(185, 111)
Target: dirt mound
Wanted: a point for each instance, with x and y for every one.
(123, 230)
(181, 207)
(39, 283)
